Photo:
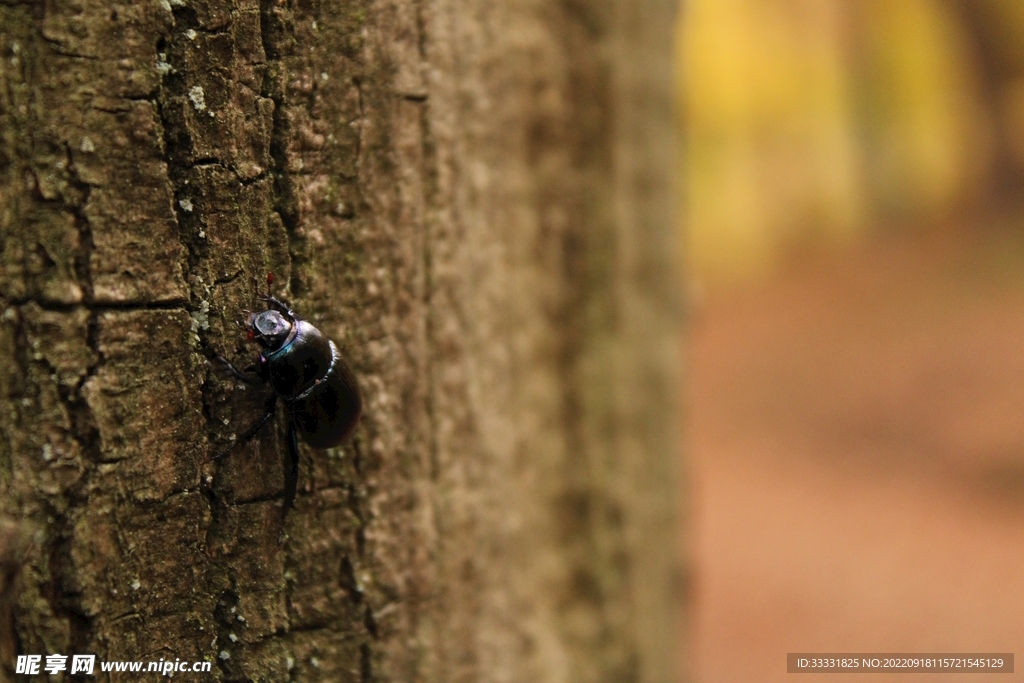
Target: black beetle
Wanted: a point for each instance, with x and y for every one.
(305, 371)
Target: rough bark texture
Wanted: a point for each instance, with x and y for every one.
(472, 198)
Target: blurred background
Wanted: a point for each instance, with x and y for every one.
(853, 191)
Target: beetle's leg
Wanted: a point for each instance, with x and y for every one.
(291, 467)
(249, 433)
(248, 378)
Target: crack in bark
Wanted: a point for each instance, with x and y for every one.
(60, 589)
(284, 202)
(176, 139)
(85, 243)
(225, 615)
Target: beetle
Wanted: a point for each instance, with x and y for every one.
(306, 372)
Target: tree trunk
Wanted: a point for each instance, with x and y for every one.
(993, 30)
(472, 199)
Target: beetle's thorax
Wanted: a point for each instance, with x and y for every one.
(299, 363)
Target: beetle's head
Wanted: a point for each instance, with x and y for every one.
(269, 329)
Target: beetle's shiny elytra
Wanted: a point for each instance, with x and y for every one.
(306, 372)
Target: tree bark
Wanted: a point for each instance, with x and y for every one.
(473, 200)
